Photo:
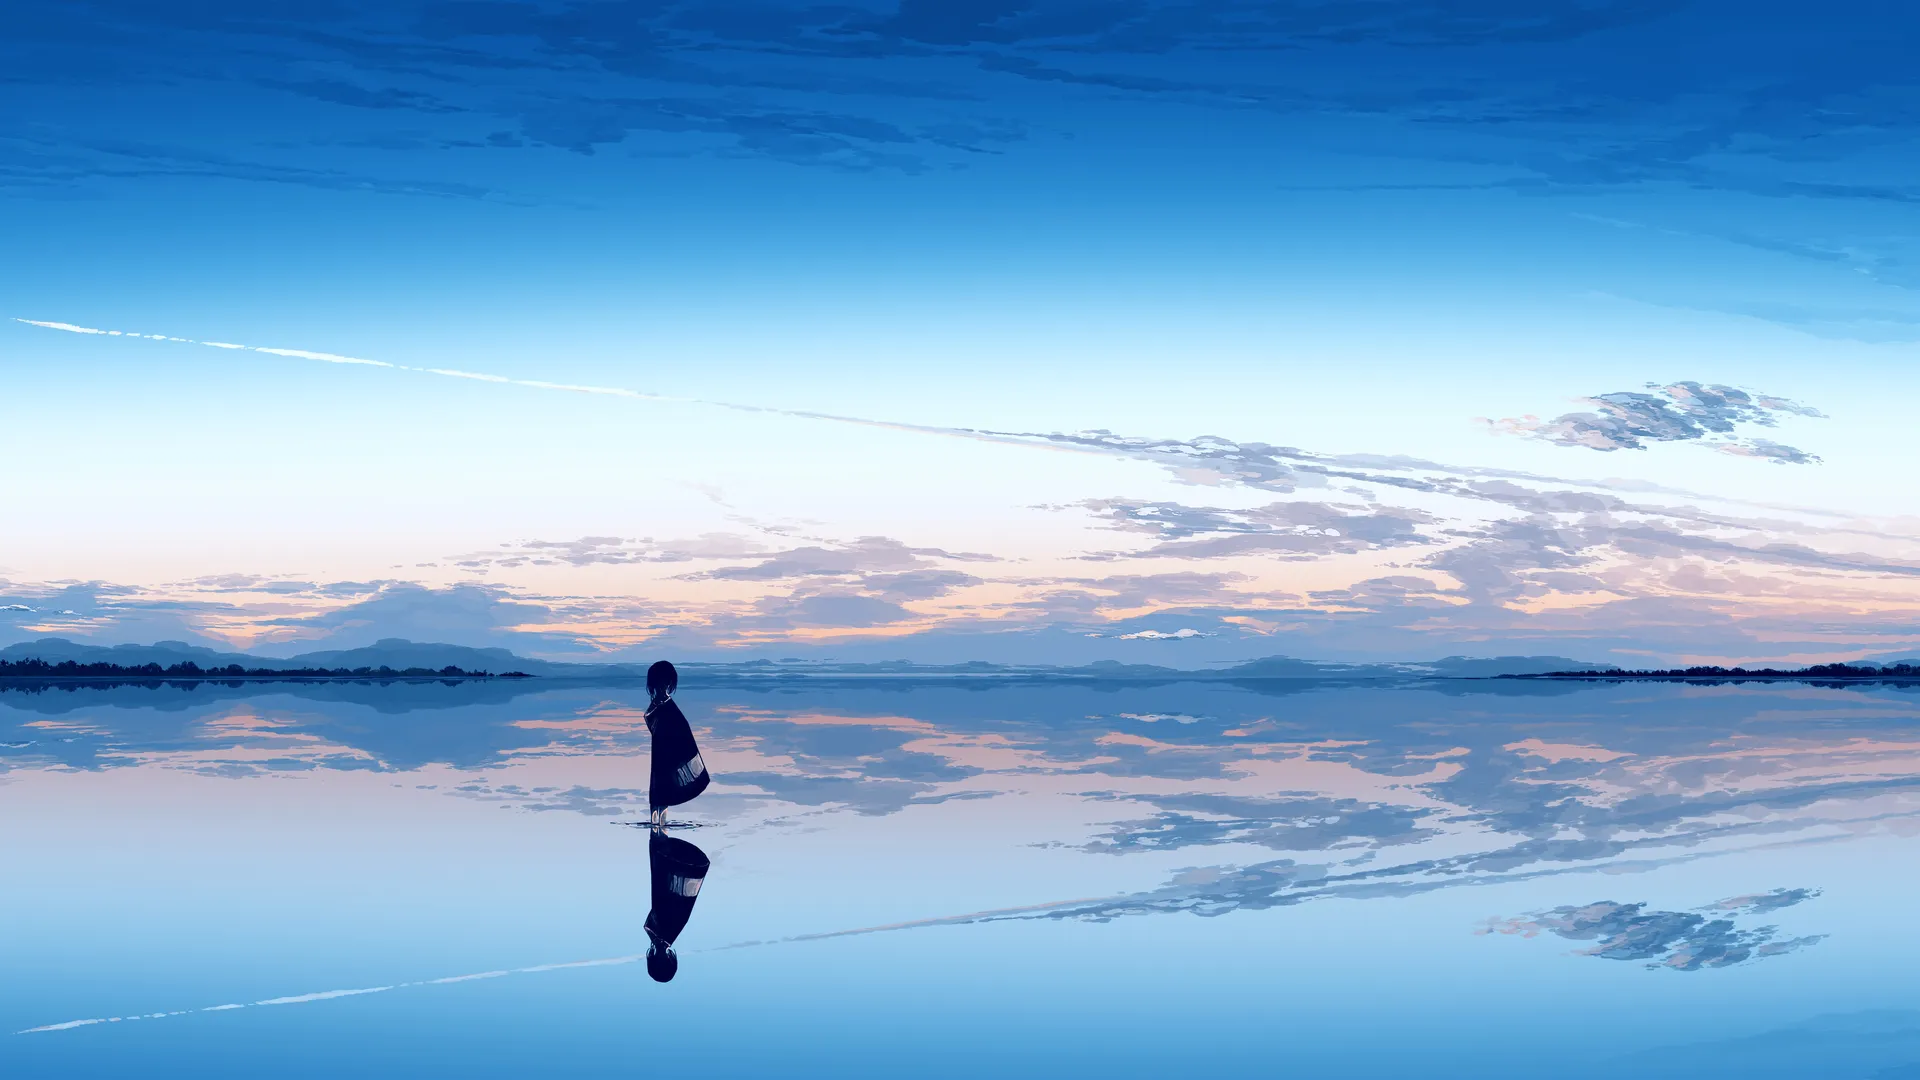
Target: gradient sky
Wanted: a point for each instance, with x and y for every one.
(1170, 332)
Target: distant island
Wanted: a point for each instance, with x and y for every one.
(69, 669)
(1709, 671)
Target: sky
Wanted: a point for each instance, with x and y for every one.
(1166, 332)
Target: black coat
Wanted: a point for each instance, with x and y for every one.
(679, 774)
(679, 868)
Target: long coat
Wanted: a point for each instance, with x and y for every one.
(678, 772)
(679, 869)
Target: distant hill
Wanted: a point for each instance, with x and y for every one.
(1815, 672)
(400, 653)
(165, 653)
(1287, 667)
(37, 669)
(1468, 667)
(396, 653)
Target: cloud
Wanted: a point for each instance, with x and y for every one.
(612, 551)
(457, 615)
(1480, 543)
(107, 613)
(868, 554)
(917, 584)
(1207, 460)
(37, 163)
(1559, 97)
(250, 583)
(856, 585)
(1296, 529)
(1833, 322)
(833, 609)
(1768, 450)
(1681, 412)
(1678, 940)
(339, 92)
(1088, 596)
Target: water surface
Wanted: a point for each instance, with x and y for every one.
(1445, 879)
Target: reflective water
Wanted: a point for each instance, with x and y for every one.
(1438, 880)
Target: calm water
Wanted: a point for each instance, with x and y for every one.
(1433, 880)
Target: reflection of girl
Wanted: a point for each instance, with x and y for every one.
(678, 773)
(679, 869)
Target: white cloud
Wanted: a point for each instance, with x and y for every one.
(68, 327)
(331, 358)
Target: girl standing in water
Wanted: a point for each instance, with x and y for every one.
(678, 773)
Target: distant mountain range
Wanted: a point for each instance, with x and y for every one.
(399, 653)
(396, 653)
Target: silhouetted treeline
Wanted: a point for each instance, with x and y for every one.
(40, 669)
(1817, 671)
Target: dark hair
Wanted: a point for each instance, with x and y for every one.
(662, 679)
(662, 964)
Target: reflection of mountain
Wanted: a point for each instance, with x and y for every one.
(401, 725)
(1303, 789)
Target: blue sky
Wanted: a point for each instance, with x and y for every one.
(1378, 235)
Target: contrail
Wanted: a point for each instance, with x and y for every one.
(329, 995)
(1252, 464)
(1010, 438)
(610, 961)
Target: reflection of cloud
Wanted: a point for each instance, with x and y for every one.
(577, 799)
(1283, 824)
(863, 795)
(1681, 940)
(1682, 412)
(1768, 450)
(1762, 903)
(1372, 792)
